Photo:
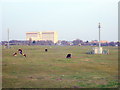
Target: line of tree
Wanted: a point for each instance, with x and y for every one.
(62, 42)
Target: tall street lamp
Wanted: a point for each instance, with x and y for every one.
(99, 26)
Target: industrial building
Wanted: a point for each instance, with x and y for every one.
(38, 36)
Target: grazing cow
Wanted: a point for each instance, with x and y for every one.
(24, 55)
(46, 50)
(20, 51)
(68, 56)
(15, 54)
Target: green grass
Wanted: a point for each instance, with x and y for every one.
(52, 70)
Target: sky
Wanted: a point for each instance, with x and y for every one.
(72, 19)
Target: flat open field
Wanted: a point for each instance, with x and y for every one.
(52, 70)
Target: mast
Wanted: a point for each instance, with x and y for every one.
(8, 39)
(99, 26)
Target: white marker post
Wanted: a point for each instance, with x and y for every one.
(8, 39)
(99, 39)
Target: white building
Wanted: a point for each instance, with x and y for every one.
(38, 36)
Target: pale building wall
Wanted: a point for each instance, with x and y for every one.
(55, 37)
(33, 36)
(48, 36)
(37, 36)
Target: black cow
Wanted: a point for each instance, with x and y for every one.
(20, 51)
(24, 55)
(46, 50)
(68, 56)
(15, 54)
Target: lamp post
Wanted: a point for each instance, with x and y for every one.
(99, 26)
(8, 38)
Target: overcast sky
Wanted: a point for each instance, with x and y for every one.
(72, 19)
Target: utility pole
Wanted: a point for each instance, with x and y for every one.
(99, 26)
(99, 35)
(8, 39)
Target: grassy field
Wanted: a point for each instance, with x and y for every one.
(52, 70)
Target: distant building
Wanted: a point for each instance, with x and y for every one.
(33, 36)
(94, 41)
(39, 36)
(103, 41)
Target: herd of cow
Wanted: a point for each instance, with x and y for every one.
(20, 51)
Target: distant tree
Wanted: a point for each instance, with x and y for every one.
(43, 42)
(34, 42)
(49, 42)
(111, 44)
(104, 44)
(77, 42)
(87, 42)
(65, 42)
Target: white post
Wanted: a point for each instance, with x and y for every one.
(8, 38)
(99, 38)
